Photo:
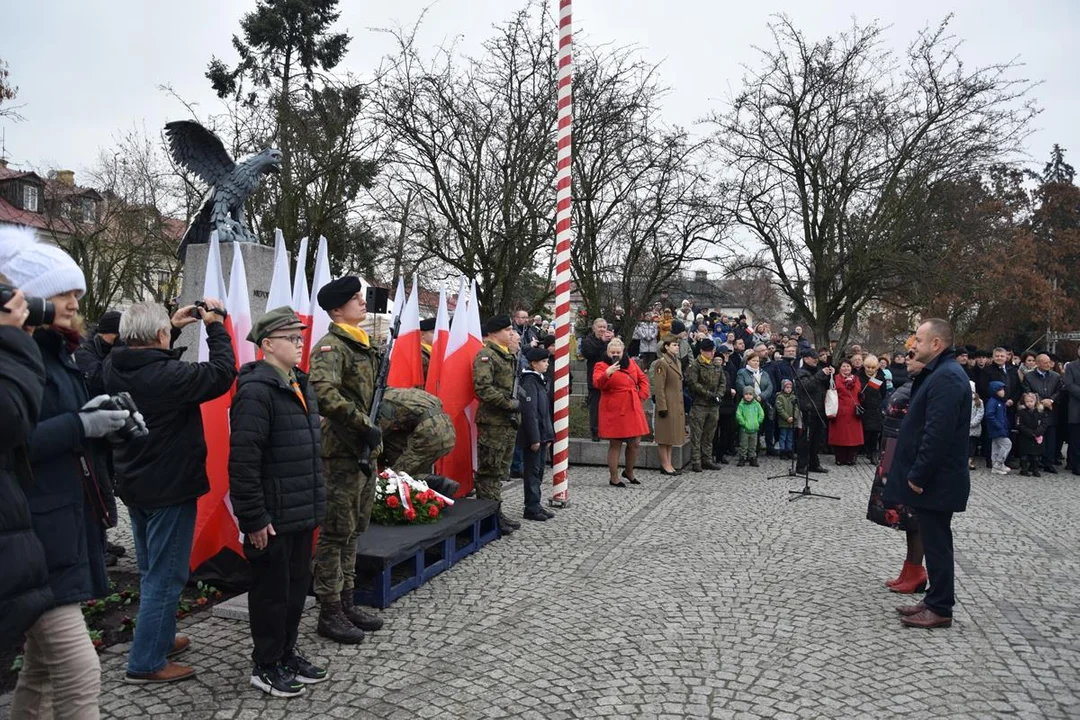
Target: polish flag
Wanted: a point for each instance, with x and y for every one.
(438, 345)
(320, 320)
(301, 300)
(456, 390)
(398, 300)
(215, 526)
(406, 365)
(239, 307)
(280, 291)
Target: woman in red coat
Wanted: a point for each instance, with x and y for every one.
(622, 387)
(845, 430)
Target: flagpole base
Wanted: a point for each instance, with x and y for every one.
(560, 503)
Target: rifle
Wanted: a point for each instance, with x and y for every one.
(515, 415)
(380, 390)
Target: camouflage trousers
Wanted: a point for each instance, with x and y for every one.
(432, 438)
(349, 494)
(703, 421)
(494, 452)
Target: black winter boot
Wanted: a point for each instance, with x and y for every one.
(360, 618)
(334, 625)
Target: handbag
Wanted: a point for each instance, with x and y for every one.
(832, 400)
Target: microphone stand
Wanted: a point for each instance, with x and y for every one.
(805, 437)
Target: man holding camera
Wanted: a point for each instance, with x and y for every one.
(161, 476)
(344, 366)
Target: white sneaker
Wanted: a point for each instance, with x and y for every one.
(999, 471)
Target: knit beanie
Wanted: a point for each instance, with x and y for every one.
(37, 268)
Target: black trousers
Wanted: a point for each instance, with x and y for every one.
(1049, 447)
(935, 529)
(1073, 460)
(808, 442)
(533, 475)
(727, 434)
(594, 411)
(280, 577)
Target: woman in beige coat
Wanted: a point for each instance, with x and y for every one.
(670, 423)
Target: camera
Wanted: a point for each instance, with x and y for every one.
(42, 312)
(194, 312)
(131, 429)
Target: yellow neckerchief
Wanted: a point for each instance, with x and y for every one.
(355, 333)
(504, 348)
(426, 347)
(704, 360)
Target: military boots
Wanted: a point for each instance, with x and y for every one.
(360, 618)
(334, 625)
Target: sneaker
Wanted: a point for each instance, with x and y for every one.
(303, 671)
(274, 680)
(998, 471)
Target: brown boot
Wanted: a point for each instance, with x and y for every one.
(360, 618)
(334, 625)
(172, 672)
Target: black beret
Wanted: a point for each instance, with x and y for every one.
(427, 324)
(983, 354)
(547, 341)
(811, 354)
(706, 345)
(971, 349)
(677, 326)
(496, 323)
(336, 293)
(537, 353)
(109, 323)
(961, 350)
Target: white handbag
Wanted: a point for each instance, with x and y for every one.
(832, 400)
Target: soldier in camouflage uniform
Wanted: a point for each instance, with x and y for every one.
(494, 368)
(415, 433)
(343, 370)
(707, 384)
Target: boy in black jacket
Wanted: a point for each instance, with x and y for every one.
(278, 496)
(535, 431)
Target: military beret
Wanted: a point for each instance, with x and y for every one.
(707, 344)
(537, 353)
(282, 318)
(427, 324)
(811, 354)
(496, 323)
(109, 323)
(336, 293)
(677, 326)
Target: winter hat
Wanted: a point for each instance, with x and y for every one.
(37, 268)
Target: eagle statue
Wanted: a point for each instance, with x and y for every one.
(231, 183)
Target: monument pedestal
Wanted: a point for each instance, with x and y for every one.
(259, 265)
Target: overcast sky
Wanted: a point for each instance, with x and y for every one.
(86, 70)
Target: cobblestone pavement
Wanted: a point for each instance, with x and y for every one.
(700, 596)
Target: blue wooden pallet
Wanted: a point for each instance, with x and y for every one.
(392, 561)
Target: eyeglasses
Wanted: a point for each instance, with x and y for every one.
(294, 339)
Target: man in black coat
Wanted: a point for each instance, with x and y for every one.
(1071, 388)
(90, 357)
(898, 369)
(278, 496)
(1047, 384)
(24, 587)
(929, 470)
(811, 383)
(594, 349)
(161, 476)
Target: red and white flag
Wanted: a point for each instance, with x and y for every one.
(320, 320)
(406, 363)
(301, 299)
(438, 345)
(280, 282)
(456, 390)
(215, 525)
(239, 307)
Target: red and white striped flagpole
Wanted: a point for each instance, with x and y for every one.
(564, 235)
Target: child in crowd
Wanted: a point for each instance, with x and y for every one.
(976, 426)
(997, 428)
(1032, 422)
(787, 417)
(535, 431)
(749, 415)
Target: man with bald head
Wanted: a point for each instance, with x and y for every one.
(1048, 385)
(929, 471)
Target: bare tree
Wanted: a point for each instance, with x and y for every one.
(834, 145)
(8, 92)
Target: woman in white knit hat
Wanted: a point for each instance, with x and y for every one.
(71, 501)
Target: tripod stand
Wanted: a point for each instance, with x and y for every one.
(804, 437)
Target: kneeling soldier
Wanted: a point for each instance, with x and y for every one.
(415, 433)
(277, 493)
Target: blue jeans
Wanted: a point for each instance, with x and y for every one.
(787, 440)
(163, 548)
(517, 464)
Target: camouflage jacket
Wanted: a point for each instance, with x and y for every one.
(706, 382)
(403, 409)
(343, 374)
(493, 382)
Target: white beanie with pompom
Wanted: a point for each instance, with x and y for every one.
(37, 268)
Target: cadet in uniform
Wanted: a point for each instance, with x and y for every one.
(415, 433)
(427, 337)
(343, 370)
(707, 384)
(494, 368)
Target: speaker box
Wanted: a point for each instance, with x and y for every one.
(377, 299)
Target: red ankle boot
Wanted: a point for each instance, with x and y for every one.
(914, 582)
(904, 572)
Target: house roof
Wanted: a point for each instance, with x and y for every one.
(7, 173)
(11, 215)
